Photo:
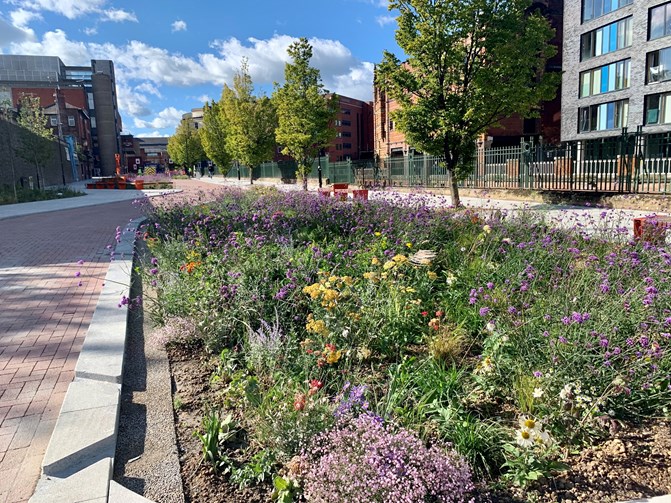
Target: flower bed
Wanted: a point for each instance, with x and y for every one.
(468, 345)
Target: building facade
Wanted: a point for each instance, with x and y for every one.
(619, 56)
(89, 89)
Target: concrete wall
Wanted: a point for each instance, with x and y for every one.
(105, 112)
(573, 28)
(53, 175)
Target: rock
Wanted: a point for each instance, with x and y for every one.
(614, 448)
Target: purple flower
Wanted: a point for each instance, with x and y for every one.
(77, 274)
(484, 311)
(538, 373)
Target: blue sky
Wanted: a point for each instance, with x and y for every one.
(171, 56)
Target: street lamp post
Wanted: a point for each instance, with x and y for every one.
(60, 132)
(319, 167)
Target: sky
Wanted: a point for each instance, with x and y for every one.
(171, 56)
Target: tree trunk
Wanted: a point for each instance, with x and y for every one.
(305, 182)
(251, 175)
(454, 189)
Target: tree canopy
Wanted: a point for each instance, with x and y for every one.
(213, 136)
(185, 146)
(249, 121)
(36, 137)
(305, 110)
(469, 64)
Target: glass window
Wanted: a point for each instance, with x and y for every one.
(595, 8)
(658, 109)
(54, 121)
(605, 79)
(658, 66)
(609, 38)
(659, 21)
(612, 115)
(71, 121)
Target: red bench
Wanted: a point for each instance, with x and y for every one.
(652, 229)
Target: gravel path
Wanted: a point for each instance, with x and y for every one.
(146, 459)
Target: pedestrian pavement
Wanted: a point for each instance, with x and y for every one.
(54, 258)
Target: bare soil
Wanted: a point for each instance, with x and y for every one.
(634, 462)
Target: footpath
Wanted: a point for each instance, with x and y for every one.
(62, 332)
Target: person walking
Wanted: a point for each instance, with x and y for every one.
(210, 170)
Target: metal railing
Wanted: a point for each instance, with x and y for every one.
(628, 163)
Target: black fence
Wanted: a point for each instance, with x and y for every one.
(627, 163)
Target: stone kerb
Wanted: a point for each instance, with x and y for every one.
(79, 461)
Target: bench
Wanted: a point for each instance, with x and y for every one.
(652, 229)
(341, 191)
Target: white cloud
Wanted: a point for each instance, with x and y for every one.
(203, 98)
(142, 69)
(68, 8)
(10, 35)
(385, 20)
(91, 31)
(148, 87)
(118, 16)
(21, 17)
(131, 102)
(153, 134)
(166, 118)
(179, 25)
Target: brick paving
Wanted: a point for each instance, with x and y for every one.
(47, 302)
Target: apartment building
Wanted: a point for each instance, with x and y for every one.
(618, 59)
(91, 90)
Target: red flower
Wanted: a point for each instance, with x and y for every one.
(439, 314)
(299, 401)
(425, 313)
(315, 383)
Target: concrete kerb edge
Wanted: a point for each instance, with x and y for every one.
(93, 400)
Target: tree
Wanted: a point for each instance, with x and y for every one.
(213, 136)
(250, 122)
(6, 110)
(36, 136)
(305, 110)
(185, 147)
(470, 63)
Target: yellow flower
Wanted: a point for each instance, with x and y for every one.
(347, 280)
(400, 258)
(409, 245)
(378, 234)
(333, 357)
(370, 276)
(375, 261)
(487, 229)
(317, 327)
(333, 279)
(388, 265)
(432, 275)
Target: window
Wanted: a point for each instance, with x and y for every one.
(605, 79)
(338, 146)
(659, 21)
(54, 121)
(346, 146)
(93, 122)
(658, 66)
(92, 104)
(345, 134)
(592, 9)
(658, 109)
(345, 111)
(391, 125)
(71, 121)
(609, 38)
(603, 117)
(346, 123)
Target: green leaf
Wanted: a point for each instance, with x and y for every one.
(280, 483)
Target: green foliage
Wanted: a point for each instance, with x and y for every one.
(217, 431)
(305, 110)
(213, 136)
(36, 137)
(25, 195)
(527, 465)
(249, 121)
(185, 146)
(469, 65)
(258, 470)
(286, 489)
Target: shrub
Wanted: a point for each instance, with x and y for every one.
(363, 460)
